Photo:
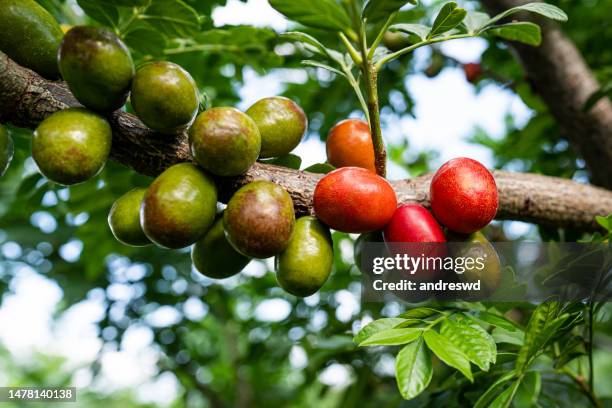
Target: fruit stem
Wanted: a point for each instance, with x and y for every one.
(370, 74)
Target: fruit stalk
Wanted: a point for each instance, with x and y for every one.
(380, 154)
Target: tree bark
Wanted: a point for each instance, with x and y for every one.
(26, 99)
(559, 74)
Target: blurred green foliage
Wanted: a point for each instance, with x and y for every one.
(230, 356)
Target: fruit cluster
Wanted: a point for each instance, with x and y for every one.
(179, 208)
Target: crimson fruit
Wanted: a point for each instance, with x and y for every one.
(413, 223)
(352, 199)
(464, 195)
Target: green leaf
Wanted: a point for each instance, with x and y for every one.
(472, 340)
(501, 335)
(419, 313)
(290, 161)
(104, 14)
(379, 10)
(605, 222)
(172, 18)
(448, 353)
(124, 3)
(524, 32)
(449, 17)
(320, 168)
(546, 10)
(146, 41)
(488, 395)
(325, 14)
(317, 64)
(419, 30)
(392, 337)
(374, 327)
(413, 369)
(475, 20)
(495, 320)
(540, 327)
(528, 392)
(298, 36)
(504, 399)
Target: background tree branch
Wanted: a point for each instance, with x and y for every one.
(26, 99)
(558, 72)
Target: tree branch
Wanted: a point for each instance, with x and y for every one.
(26, 99)
(558, 72)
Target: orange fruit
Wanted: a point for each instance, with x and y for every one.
(349, 144)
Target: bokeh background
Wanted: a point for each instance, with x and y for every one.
(138, 327)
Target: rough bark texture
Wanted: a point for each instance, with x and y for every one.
(558, 72)
(26, 99)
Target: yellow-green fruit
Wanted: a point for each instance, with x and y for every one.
(303, 268)
(124, 219)
(395, 41)
(164, 96)
(259, 219)
(6, 150)
(214, 257)
(30, 36)
(224, 141)
(282, 124)
(477, 246)
(179, 206)
(71, 146)
(97, 66)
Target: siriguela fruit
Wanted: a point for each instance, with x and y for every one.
(214, 257)
(30, 36)
(349, 143)
(124, 218)
(413, 231)
(282, 124)
(71, 146)
(97, 66)
(6, 150)
(463, 195)
(359, 247)
(164, 96)
(395, 41)
(224, 141)
(352, 199)
(179, 206)
(259, 219)
(304, 266)
(488, 270)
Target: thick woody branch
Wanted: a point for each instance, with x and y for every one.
(26, 99)
(558, 72)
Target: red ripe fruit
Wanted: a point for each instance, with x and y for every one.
(413, 231)
(463, 195)
(413, 223)
(352, 199)
(473, 72)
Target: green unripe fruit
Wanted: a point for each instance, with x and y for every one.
(303, 268)
(6, 150)
(282, 124)
(362, 241)
(395, 41)
(71, 146)
(214, 257)
(124, 219)
(164, 96)
(179, 206)
(97, 66)
(259, 219)
(477, 246)
(30, 36)
(224, 141)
